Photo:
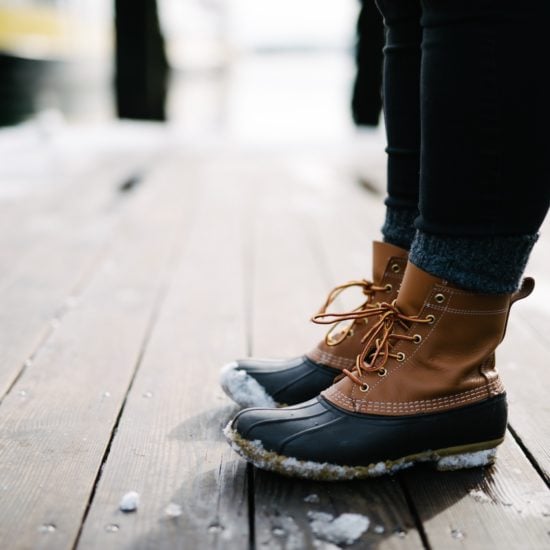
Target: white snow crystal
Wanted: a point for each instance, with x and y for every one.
(467, 460)
(173, 510)
(323, 545)
(244, 389)
(129, 502)
(379, 468)
(345, 529)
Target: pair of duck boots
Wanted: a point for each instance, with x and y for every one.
(410, 378)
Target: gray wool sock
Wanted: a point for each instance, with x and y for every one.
(489, 265)
(398, 228)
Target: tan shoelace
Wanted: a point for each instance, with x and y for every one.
(323, 317)
(377, 340)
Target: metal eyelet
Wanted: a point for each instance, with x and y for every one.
(439, 298)
(430, 318)
(364, 387)
(401, 356)
(395, 268)
(382, 372)
(389, 287)
(417, 338)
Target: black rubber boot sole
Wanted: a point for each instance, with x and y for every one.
(316, 440)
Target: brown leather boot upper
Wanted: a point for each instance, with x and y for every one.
(341, 349)
(433, 350)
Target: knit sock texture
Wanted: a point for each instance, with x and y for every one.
(489, 265)
(398, 228)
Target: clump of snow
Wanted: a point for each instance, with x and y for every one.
(312, 499)
(467, 460)
(323, 545)
(345, 529)
(173, 510)
(243, 389)
(379, 468)
(457, 534)
(129, 502)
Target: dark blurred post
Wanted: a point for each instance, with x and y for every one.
(20, 82)
(141, 63)
(366, 102)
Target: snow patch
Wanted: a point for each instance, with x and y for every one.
(254, 452)
(243, 389)
(129, 502)
(467, 460)
(173, 510)
(323, 545)
(312, 499)
(345, 529)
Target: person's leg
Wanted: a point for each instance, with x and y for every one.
(401, 97)
(425, 387)
(366, 100)
(484, 187)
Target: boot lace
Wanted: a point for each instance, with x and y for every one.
(380, 338)
(324, 317)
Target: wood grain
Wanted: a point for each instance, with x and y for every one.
(53, 236)
(169, 446)
(57, 420)
(506, 506)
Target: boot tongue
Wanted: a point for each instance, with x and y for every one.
(381, 254)
(415, 289)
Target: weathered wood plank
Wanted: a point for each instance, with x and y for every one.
(291, 275)
(169, 445)
(288, 284)
(506, 506)
(52, 240)
(57, 421)
(285, 509)
(522, 362)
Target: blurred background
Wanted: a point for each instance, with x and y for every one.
(244, 70)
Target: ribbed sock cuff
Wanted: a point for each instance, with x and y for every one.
(398, 228)
(489, 265)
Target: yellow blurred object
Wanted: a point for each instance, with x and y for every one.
(44, 32)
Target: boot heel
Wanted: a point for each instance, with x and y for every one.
(472, 459)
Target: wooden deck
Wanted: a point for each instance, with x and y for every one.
(131, 273)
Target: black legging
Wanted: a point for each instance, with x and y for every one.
(467, 109)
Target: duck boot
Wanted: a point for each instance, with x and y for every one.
(426, 391)
(277, 382)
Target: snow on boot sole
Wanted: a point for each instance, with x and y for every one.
(243, 388)
(452, 458)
